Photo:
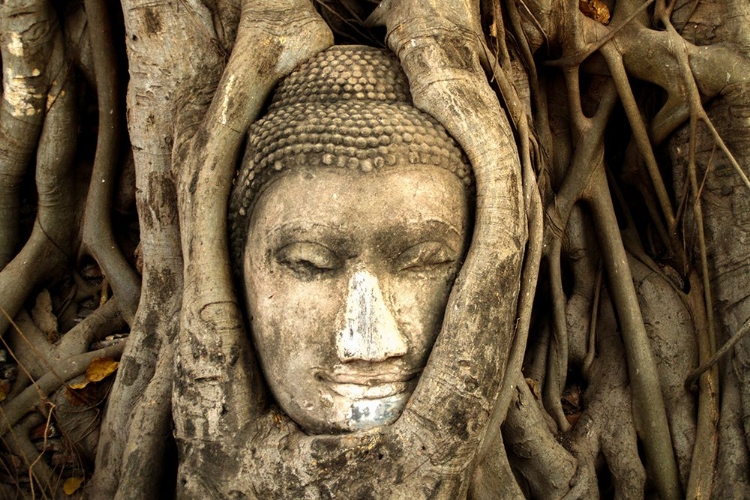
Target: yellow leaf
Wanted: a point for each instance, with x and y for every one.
(101, 368)
(534, 386)
(79, 385)
(595, 9)
(72, 484)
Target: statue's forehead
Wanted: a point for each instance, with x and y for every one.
(340, 201)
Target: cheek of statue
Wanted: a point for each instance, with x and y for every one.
(346, 280)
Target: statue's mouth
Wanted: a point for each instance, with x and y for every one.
(377, 391)
(366, 384)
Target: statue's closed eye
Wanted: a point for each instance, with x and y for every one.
(307, 259)
(425, 256)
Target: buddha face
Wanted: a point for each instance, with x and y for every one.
(347, 275)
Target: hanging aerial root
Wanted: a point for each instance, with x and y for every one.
(640, 134)
(701, 478)
(587, 158)
(648, 404)
(720, 353)
(591, 345)
(98, 237)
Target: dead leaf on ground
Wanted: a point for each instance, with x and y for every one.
(101, 368)
(4, 389)
(79, 385)
(572, 403)
(534, 386)
(43, 316)
(98, 370)
(595, 9)
(72, 484)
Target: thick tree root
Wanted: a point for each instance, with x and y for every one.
(217, 388)
(548, 469)
(48, 250)
(63, 371)
(43, 480)
(98, 237)
(32, 56)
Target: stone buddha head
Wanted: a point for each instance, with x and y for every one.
(349, 221)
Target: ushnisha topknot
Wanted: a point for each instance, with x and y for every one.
(348, 107)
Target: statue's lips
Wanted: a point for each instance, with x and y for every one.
(380, 391)
(367, 385)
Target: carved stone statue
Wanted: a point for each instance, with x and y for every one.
(379, 297)
(349, 222)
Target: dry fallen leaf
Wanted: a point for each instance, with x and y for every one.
(72, 484)
(98, 370)
(595, 9)
(43, 316)
(101, 368)
(80, 385)
(534, 386)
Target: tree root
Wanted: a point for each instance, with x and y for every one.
(32, 57)
(733, 461)
(155, 117)
(47, 251)
(63, 371)
(33, 351)
(211, 318)
(98, 238)
(547, 467)
(229, 391)
(42, 477)
(606, 425)
(150, 426)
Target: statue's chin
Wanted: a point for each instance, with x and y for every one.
(368, 413)
(344, 415)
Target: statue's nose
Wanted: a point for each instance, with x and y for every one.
(370, 331)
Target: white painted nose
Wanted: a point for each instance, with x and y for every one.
(370, 332)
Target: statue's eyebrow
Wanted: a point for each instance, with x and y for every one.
(302, 230)
(415, 232)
